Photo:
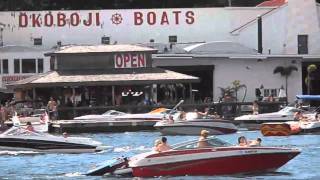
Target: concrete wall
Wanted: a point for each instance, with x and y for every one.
(254, 74)
(273, 32)
(249, 71)
(189, 24)
(25, 55)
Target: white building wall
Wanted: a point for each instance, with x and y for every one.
(190, 25)
(273, 32)
(22, 55)
(303, 19)
(254, 74)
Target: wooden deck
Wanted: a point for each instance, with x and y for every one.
(84, 126)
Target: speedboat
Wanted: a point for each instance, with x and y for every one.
(193, 125)
(285, 114)
(111, 114)
(152, 116)
(220, 158)
(20, 139)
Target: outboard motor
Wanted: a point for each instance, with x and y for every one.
(109, 167)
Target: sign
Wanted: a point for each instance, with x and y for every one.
(98, 18)
(130, 60)
(10, 79)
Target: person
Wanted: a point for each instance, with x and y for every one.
(170, 119)
(255, 108)
(52, 106)
(298, 116)
(256, 142)
(317, 117)
(157, 142)
(183, 115)
(163, 146)
(203, 114)
(203, 141)
(65, 134)
(242, 141)
(30, 127)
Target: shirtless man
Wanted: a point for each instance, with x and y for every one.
(163, 146)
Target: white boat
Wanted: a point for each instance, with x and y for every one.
(111, 114)
(219, 158)
(310, 126)
(285, 114)
(20, 139)
(193, 126)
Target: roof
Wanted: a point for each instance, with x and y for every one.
(105, 77)
(220, 47)
(309, 97)
(19, 48)
(272, 3)
(76, 49)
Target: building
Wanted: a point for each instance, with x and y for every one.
(278, 30)
(92, 77)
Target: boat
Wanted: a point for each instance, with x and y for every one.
(220, 158)
(193, 125)
(285, 114)
(308, 127)
(280, 128)
(20, 139)
(110, 114)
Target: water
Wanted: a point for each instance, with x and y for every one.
(31, 165)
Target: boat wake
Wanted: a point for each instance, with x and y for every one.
(18, 152)
(75, 174)
(128, 149)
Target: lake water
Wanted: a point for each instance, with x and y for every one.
(31, 165)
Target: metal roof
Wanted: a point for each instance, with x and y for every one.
(105, 77)
(75, 49)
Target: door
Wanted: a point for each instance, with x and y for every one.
(302, 44)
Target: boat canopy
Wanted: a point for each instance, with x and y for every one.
(309, 97)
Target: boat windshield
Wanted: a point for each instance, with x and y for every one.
(113, 112)
(16, 131)
(212, 141)
(289, 110)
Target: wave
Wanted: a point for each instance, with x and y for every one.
(17, 152)
(128, 149)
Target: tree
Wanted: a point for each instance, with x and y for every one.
(285, 71)
(311, 68)
(237, 86)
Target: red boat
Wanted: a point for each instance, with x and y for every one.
(220, 158)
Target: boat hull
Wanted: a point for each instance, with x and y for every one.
(217, 166)
(15, 144)
(194, 128)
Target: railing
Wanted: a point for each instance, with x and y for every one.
(225, 109)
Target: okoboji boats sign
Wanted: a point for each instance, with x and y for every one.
(100, 18)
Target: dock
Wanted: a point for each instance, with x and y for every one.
(86, 126)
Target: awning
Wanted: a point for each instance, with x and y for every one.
(134, 76)
(309, 97)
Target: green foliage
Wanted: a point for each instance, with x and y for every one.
(311, 68)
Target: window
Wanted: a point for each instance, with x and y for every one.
(173, 39)
(105, 40)
(52, 62)
(5, 67)
(16, 66)
(270, 92)
(40, 65)
(28, 66)
(37, 41)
